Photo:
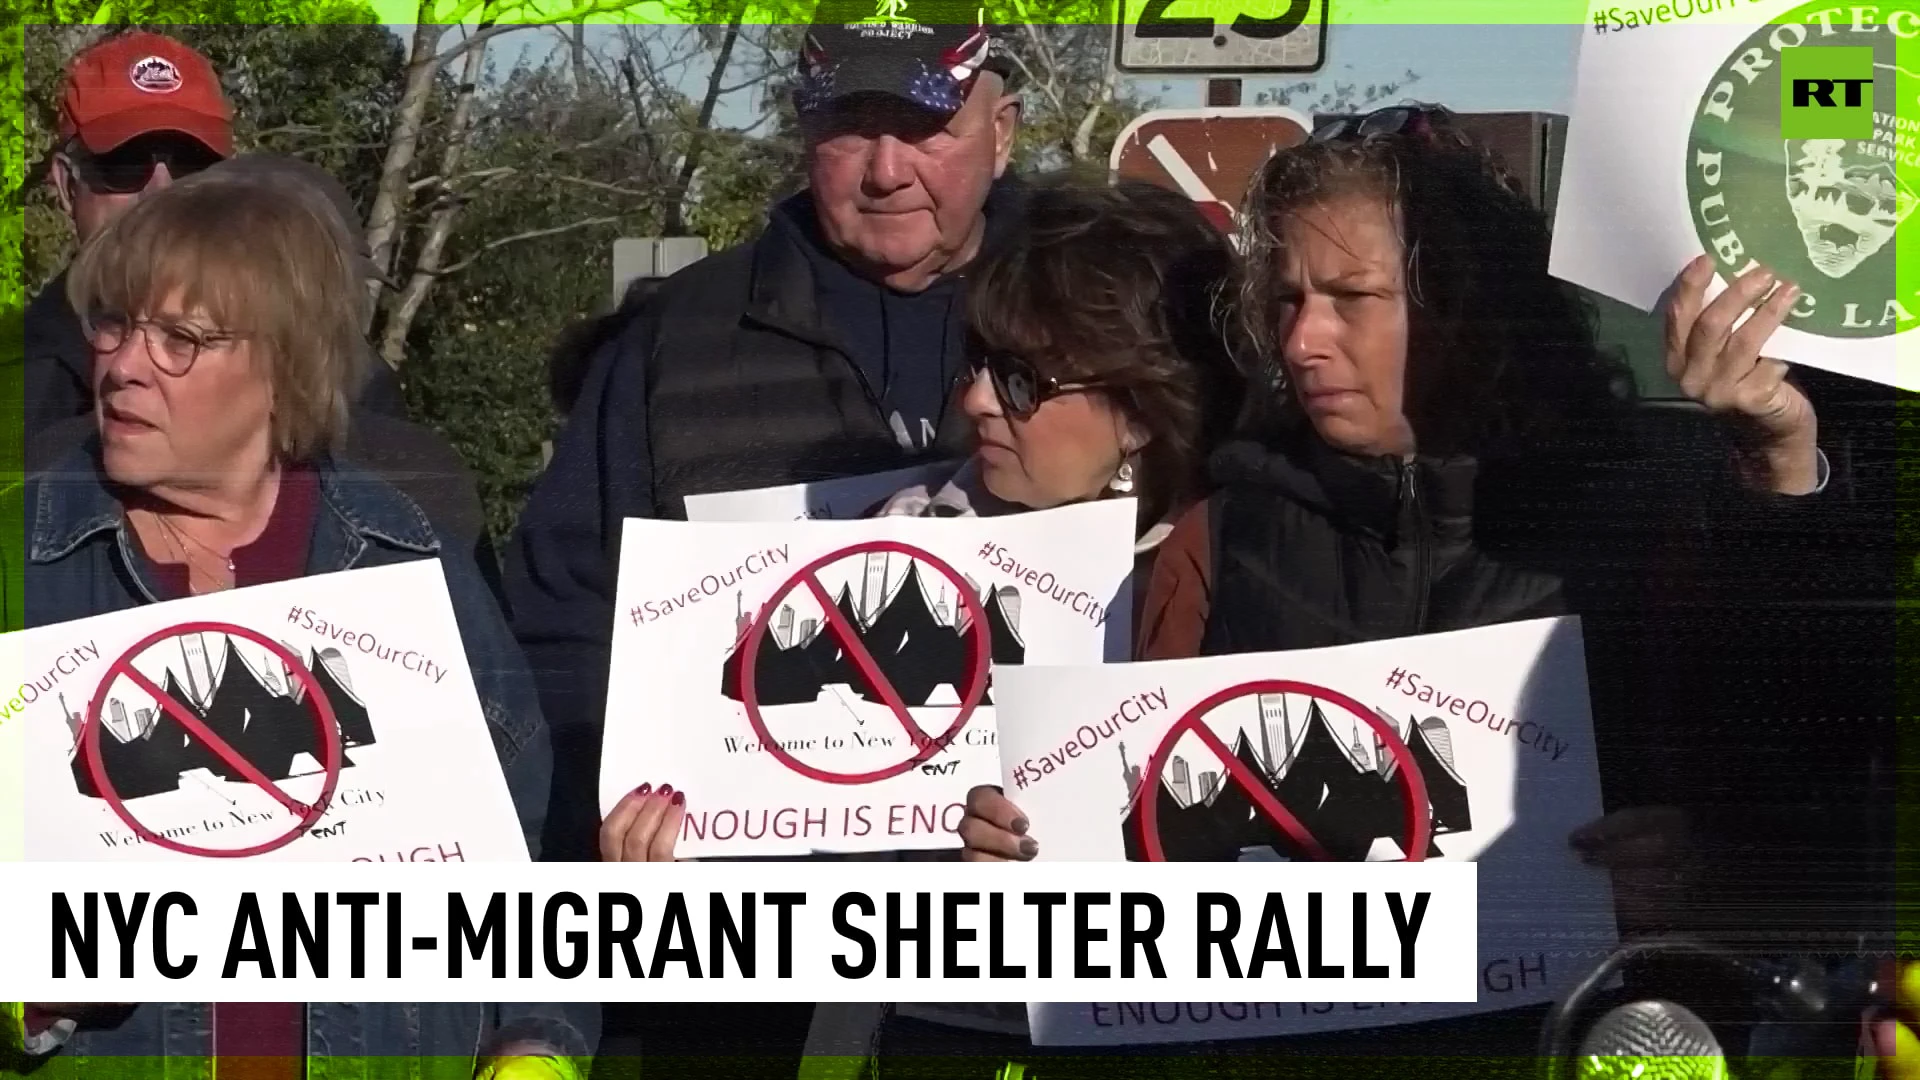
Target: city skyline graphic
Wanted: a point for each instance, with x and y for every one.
(249, 699)
(1337, 779)
(919, 639)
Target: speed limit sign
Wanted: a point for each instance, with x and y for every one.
(1221, 37)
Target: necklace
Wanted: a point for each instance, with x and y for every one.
(180, 534)
(175, 535)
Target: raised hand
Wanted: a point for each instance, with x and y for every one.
(1718, 364)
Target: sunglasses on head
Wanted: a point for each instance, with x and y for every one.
(1392, 120)
(1019, 386)
(128, 169)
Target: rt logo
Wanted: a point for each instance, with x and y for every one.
(1826, 93)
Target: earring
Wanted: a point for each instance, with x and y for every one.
(1122, 482)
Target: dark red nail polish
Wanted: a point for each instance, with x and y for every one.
(643, 789)
(666, 789)
(679, 798)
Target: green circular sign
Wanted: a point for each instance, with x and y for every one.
(1825, 214)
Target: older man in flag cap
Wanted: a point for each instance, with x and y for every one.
(826, 347)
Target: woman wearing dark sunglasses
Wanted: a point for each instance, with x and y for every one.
(1100, 368)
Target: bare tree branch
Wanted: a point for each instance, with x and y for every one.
(577, 43)
(696, 144)
(478, 37)
(1083, 134)
(757, 80)
(650, 144)
(530, 234)
(601, 185)
(390, 195)
(495, 14)
(437, 180)
(400, 315)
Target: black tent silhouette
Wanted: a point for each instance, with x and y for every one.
(268, 728)
(911, 649)
(1344, 804)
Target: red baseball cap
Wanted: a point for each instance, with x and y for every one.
(137, 84)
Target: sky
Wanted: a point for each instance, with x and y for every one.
(1467, 68)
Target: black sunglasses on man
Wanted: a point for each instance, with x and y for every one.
(127, 169)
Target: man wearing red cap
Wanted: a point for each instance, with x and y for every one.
(137, 112)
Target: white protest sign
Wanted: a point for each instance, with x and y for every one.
(836, 500)
(870, 711)
(328, 719)
(1674, 149)
(1474, 745)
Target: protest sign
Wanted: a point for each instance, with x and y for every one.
(1473, 745)
(1675, 147)
(835, 500)
(825, 685)
(290, 721)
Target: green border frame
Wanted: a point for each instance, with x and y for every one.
(403, 12)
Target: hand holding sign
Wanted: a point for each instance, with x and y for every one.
(1651, 856)
(1719, 365)
(643, 826)
(826, 686)
(994, 829)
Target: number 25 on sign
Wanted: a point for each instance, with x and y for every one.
(1221, 36)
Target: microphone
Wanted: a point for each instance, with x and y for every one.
(1651, 1040)
(1797, 990)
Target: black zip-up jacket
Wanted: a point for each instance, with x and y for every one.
(1695, 648)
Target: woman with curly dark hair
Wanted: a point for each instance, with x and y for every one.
(1434, 442)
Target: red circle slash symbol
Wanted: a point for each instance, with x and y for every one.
(925, 746)
(1413, 786)
(305, 814)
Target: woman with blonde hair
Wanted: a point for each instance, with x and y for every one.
(224, 314)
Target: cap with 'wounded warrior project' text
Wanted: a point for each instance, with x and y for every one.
(925, 51)
(140, 84)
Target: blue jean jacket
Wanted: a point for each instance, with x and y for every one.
(81, 562)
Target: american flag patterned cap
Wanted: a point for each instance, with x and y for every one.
(928, 52)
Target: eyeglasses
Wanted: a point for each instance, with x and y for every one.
(1392, 120)
(129, 168)
(173, 347)
(1020, 388)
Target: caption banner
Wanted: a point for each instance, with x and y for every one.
(219, 931)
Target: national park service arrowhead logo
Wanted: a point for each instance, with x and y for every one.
(1826, 214)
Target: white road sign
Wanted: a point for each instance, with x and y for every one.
(1221, 37)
